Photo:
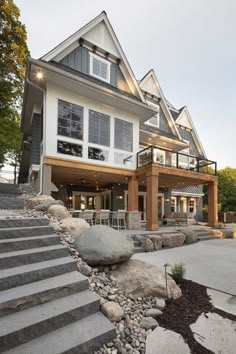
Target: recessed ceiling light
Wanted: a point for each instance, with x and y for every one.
(39, 75)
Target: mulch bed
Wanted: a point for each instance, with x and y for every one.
(181, 313)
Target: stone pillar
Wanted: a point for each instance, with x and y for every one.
(133, 193)
(178, 204)
(46, 179)
(212, 203)
(152, 199)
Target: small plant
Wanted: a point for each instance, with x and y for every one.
(177, 272)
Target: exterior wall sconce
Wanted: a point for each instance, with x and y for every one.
(167, 200)
(70, 197)
(120, 197)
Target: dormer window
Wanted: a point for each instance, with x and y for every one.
(99, 67)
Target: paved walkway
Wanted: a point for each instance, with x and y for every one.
(211, 263)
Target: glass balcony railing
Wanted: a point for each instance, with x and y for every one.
(175, 159)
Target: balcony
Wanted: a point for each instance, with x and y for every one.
(168, 158)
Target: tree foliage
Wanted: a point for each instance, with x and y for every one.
(227, 189)
(13, 56)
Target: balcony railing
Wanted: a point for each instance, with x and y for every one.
(175, 159)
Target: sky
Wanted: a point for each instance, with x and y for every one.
(190, 44)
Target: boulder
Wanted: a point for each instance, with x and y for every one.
(148, 245)
(46, 205)
(217, 233)
(102, 245)
(85, 270)
(167, 342)
(75, 226)
(56, 226)
(148, 323)
(156, 240)
(230, 233)
(173, 239)
(142, 279)
(112, 311)
(59, 211)
(191, 236)
(41, 199)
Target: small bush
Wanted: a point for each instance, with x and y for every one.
(177, 272)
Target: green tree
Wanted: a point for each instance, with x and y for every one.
(13, 56)
(227, 188)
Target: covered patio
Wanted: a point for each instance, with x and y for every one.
(152, 177)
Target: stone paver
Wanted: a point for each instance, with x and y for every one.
(211, 263)
(215, 333)
(223, 301)
(164, 341)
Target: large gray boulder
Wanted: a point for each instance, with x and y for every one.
(59, 211)
(167, 342)
(102, 245)
(142, 279)
(47, 204)
(31, 203)
(173, 239)
(75, 226)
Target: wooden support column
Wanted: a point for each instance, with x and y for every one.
(133, 193)
(178, 198)
(213, 203)
(152, 199)
(47, 178)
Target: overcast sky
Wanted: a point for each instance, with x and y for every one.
(191, 45)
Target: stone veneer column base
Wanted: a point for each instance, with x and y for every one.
(133, 220)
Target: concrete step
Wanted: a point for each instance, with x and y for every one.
(25, 296)
(25, 231)
(137, 243)
(17, 276)
(33, 255)
(23, 243)
(23, 326)
(11, 203)
(22, 222)
(207, 237)
(9, 188)
(81, 337)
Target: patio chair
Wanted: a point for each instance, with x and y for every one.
(118, 219)
(87, 215)
(103, 217)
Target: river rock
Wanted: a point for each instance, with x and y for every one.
(142, 279)
(112, 311)
(75, 226)
(102, 245)
(148, 323)
(152, 313)
(59, 211)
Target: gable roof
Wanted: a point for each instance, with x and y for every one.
(184, 119)
(99, 32)
(150, 84)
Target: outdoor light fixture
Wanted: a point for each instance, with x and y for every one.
(167, 200)
(39, 75)
(70, 197)
(165, 266)
(120, 197)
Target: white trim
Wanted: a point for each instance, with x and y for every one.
(98, 58)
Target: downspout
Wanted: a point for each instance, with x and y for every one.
(44, 98)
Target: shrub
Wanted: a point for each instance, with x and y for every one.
(177, 272)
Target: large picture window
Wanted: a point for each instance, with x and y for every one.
(70, 120)
(123, 135)
(99, 128)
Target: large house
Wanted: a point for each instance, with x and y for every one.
(97, 138)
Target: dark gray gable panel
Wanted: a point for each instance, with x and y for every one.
(36, 139)
(187, 135)
(164, 125)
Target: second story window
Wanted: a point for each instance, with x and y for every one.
(70, 120)
(99, 128)
(123, 135)
(99, 67)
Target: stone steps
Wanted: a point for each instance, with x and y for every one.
(45, 304)
(11, 203)
(205, 236)
(23, 243)
(26, 325)
(21, 275)
(81, 337)
(24, 232)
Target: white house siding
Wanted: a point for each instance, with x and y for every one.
(115, 156)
